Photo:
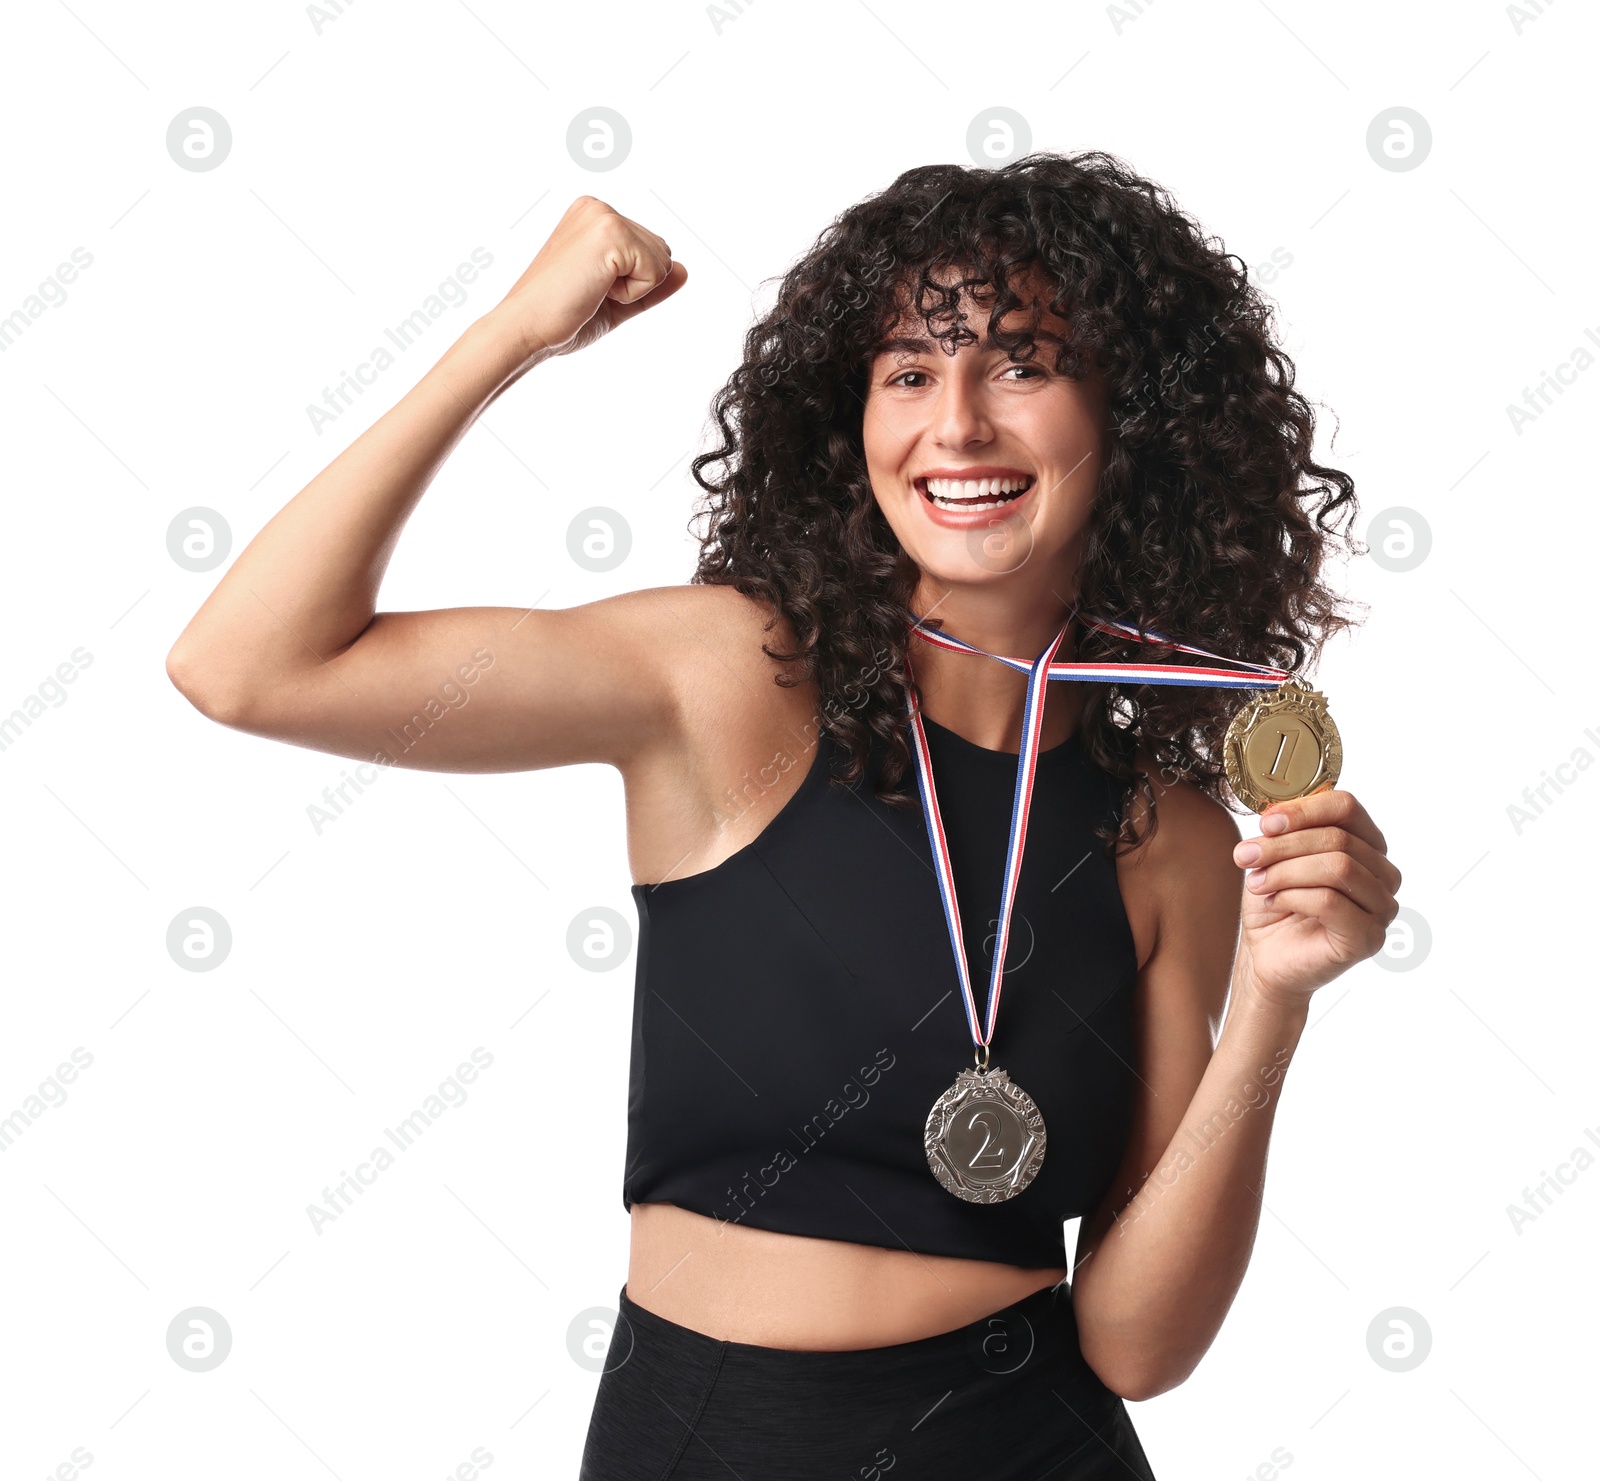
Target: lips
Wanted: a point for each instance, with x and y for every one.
(975, 498)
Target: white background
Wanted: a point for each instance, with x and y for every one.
(369, 960)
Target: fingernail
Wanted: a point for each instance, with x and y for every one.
(1254, 877)
(1247, 853)
(1274, 822)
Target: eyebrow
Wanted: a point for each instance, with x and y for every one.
(902, 344)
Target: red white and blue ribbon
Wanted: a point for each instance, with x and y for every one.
(1022, 799)
(1200, 676)
(1040, 672)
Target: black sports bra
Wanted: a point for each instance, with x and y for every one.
(797, 1012)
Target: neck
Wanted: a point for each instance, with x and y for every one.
(981, 700)
(997, 620)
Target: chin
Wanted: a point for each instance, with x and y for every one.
(985, 555)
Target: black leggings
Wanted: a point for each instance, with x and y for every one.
(1008, 1397)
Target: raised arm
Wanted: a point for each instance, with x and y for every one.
(289, 644)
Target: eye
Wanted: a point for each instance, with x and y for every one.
(1023, 365)
(899, 379)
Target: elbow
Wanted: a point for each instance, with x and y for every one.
(1136, 1374)
(1138, 1384)
(197, 679)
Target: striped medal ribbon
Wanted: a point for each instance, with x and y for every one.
(1280, 745)
(1197, 676)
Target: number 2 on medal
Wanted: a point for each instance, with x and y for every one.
(991, 1128)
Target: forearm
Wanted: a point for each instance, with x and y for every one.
(307, 585)
(1154, 1290)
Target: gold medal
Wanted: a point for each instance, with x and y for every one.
(1282, 744)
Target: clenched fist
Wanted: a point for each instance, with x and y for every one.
(597, 269)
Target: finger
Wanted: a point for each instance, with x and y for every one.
(1346, 922)
(674, 280)
(1320, 809)
(1260, 852)
(639, 281)
(1327, 871)
(645, 234)
(651, 247)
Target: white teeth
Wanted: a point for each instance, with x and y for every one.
(975, 493)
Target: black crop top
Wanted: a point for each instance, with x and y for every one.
(797, 1012)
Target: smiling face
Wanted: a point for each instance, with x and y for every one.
(985, 466)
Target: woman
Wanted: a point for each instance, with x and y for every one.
(998, 404)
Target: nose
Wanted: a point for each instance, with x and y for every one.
(959, 417)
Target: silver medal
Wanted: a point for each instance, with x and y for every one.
(984, 1137)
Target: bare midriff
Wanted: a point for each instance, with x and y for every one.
(741, 1284)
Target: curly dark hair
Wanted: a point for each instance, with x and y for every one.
(1211, 523)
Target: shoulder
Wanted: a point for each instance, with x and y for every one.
(677, 636)
(701, 650)
(1180, 885)
(675, 616)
